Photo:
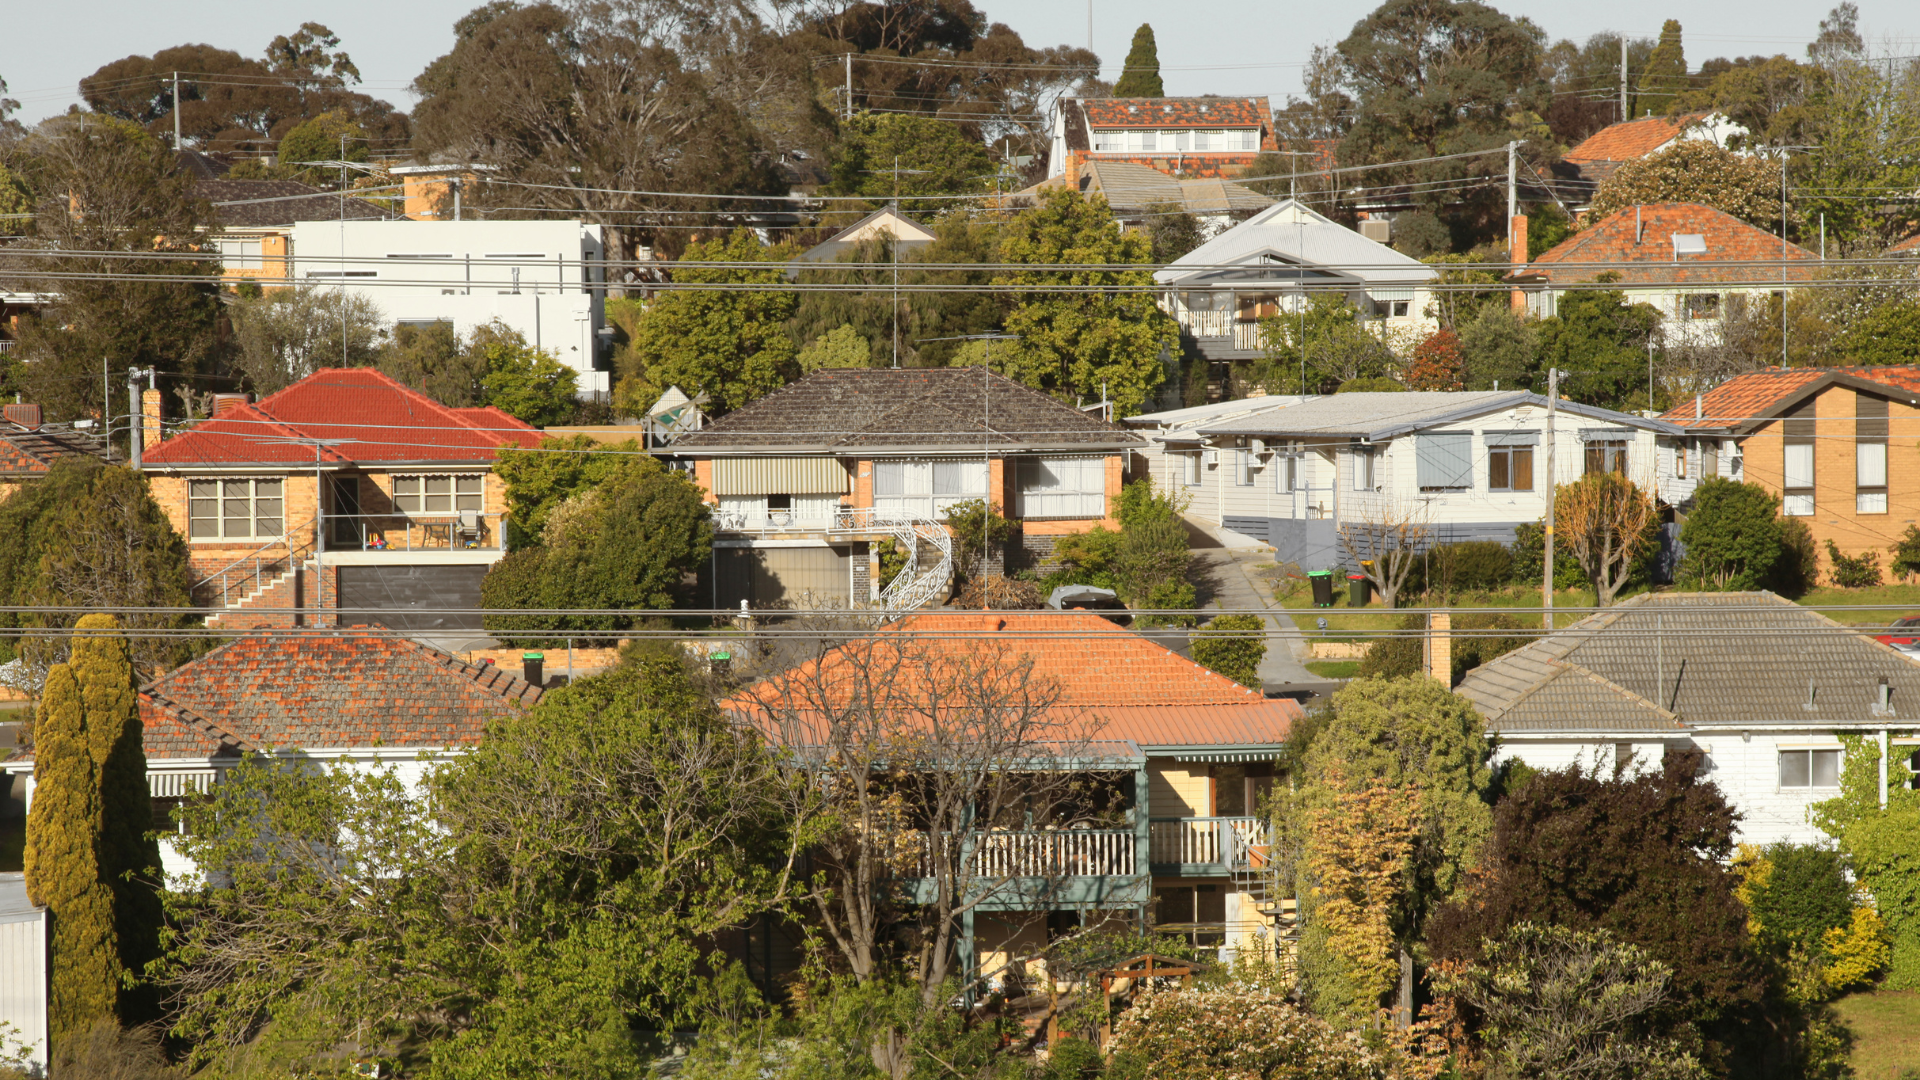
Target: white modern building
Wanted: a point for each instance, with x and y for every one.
(546, 279)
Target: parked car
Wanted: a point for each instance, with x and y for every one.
(1905, 634)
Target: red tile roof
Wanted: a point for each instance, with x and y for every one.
(30, 452)
(1648, 257)
(1907, 246)
(1132, 688)
(1174, 112)
(351, 690)
(388, 421)
(1746, 400)
(1632, 139)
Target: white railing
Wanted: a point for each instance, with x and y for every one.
(914, 586)
(1213, 841)
(1246, 335)
(1050, 853)
(233, 583)
(1208, 324)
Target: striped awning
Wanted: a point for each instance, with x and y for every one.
(780, 476)
(1227, 757)
(173, 784)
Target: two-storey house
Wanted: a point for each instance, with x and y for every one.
(345, 490)
(809, 483)
(1179, 136)
(1458, 465)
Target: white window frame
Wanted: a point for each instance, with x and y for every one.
(1084, 497)
(921, 482)
(1818, 760)
(1287, 471)
(464, 493)
(1365, 477)
(1244, 463)
(1797, 464)
(252, 508)
(1870, 471)
(1192, 468)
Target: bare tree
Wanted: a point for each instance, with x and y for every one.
(1603, 519)
(1383, 539)
(945, 772)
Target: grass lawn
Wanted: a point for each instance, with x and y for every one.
(1886, 1030)
(1833, 603)
(1334, 669)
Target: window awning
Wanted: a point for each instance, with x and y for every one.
(780, 476)
(1227, 757)
(1512, 438)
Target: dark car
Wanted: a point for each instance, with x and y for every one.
(1904, 634)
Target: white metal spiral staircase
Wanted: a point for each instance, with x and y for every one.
(920, 582)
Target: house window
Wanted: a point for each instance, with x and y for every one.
(1607, 455)
(1182, 140)
(1363, 479)
(1680, 461)
(1062, 487)
(1510, 461)
(1869, 454)
(1287, 476)
(1190, 462)
(1703, 306)
(1444, 461)
(442, 494)
(1809, 768)
(926, 489)
(1253, 306)
(1244, 462)
(1143, 141)
(1709, 458)
(239, 508)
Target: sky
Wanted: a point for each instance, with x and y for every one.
(1234, 47)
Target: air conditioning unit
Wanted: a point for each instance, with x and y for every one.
(1210, 458)
(1378, 230)
(1258, 446)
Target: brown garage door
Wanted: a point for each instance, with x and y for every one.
(795, 577)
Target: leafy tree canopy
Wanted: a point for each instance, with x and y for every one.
(1600, 339)
(1664, 77)
(1734, 536)
(935, 157)
(520, 380)
(1336, 348)
(1695, 171)
(732, 345)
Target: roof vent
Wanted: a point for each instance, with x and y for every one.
(1689, 244)
(226, 403)
(27, 416)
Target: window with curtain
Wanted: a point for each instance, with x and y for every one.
(1809, 768)
(1287, 475)
(1869, 454)
(1244, 462)
(1062, 487)
(1443, 461)
(443, 494)
(235, 507)
(1190, 462)
(1363, 478)
(1796, 474)
(925, 489)
(1607, 455)
(1510, 460)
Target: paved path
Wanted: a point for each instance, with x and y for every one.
(1231, 584)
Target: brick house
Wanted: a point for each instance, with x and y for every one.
(1687, 260)
(346, 489)
(807, 480)
(363, 699)
(1580, 172)
(1189, 137)
(1840, 446)
(1189, 752)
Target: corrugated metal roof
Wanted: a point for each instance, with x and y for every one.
(1297, 234)
(1215, 410)
(13, 895)
(1671, 659)
(1386, 415)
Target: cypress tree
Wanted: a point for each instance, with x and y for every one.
(1140, 75)
(1666, 73)
(89, 859)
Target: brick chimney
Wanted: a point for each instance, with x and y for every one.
(1440, 647)
(1517, 255)
(151, 413)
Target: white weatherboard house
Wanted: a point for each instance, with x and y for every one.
(1466, 465)
(25, 935)
(1269, 263)
(1760, 686)
(546, 279)
(1173, 438)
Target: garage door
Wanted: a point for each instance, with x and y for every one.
(784, 577)
(400, 594)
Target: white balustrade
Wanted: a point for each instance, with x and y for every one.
(1204, 841)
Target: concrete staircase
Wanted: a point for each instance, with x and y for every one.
(275, 597)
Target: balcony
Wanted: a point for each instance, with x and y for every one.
(1204, 845)
(464, 531)
(1017, 870)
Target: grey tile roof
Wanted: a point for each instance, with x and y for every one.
(1297, 235)
(852, 409)
(1128, 186)
(1386, 415)
(259, 204)
(1672, 660)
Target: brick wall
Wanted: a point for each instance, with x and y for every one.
(1834, 515)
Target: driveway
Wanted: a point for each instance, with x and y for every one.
(1226, 582)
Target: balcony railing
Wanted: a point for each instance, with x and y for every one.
(1050, 853)
(1224, 842)
(405, 532)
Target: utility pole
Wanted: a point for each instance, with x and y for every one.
(1546, 596)
(849, 105)
(1783, 256)
(342, 290)
(134, 417)
(1513, 194)
(1623, 79)
(176, 112)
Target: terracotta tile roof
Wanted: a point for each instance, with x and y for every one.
(257, 204)
(1674, 660)
(1632, 139)
(389, 422)
(1176, 112)
(849, 409)
(30, 452)
(356, 690)
(1908, 246)
(1133, 688)
(1743, 402)
(1648, 258)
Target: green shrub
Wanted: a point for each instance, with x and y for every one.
(1734, 537)
(1477, 565)
(1397, 655)
(1798, 568)
(1861, 571)
(1906, 554)
(1529, 552)
(1805, 894)
(1233, 645)
(1404, 653)
(977, 528)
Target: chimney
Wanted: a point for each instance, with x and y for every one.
(226, 403)
(1440, 647)
(27, 416)
(992, 623)
(533, 668)
(151, 431)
